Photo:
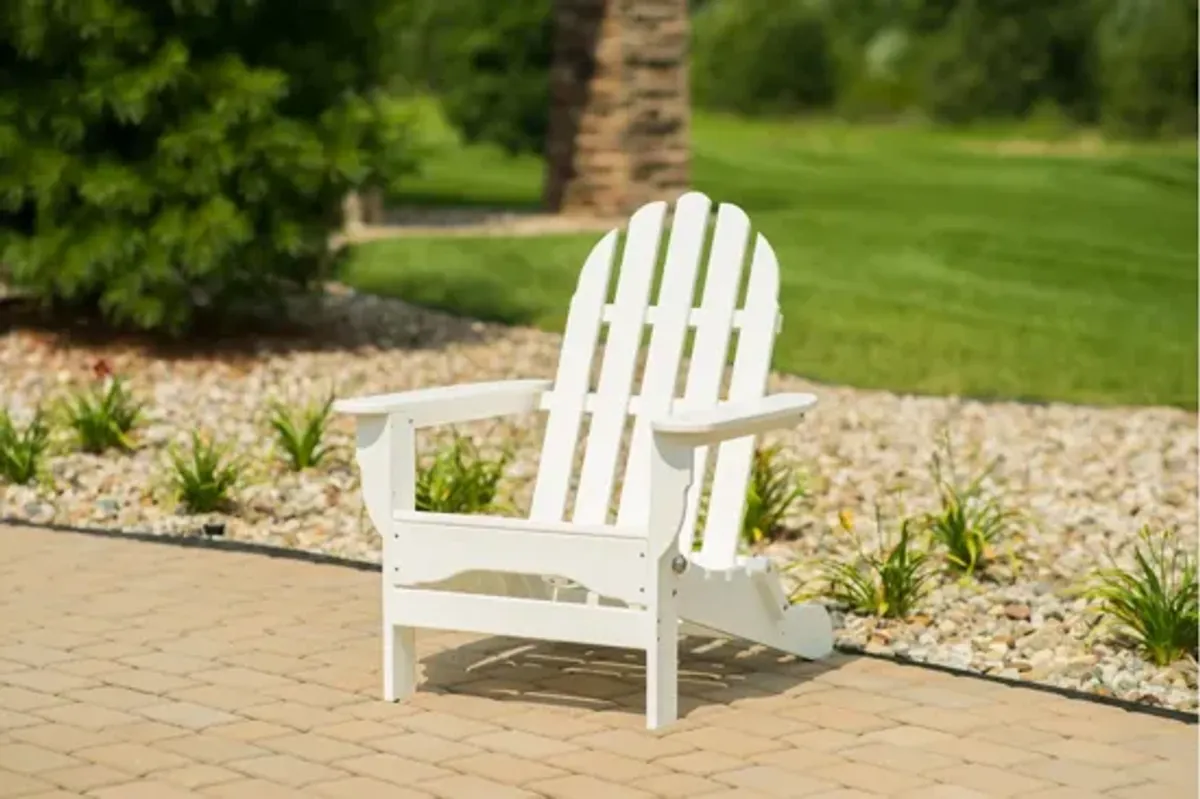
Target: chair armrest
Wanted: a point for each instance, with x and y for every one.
(467, 402)
(733, 420)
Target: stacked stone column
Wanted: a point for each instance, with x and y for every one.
(619, 119)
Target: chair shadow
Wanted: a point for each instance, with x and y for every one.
(712, 673)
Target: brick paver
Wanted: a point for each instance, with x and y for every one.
(132, 670)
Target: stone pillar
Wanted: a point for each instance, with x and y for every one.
(372, 206)
(619, 115)
(362, 209)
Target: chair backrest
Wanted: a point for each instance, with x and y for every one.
(613, 400)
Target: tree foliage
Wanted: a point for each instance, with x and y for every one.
(1130, 64)
(164, 158)
(1147, 55)
(741, 64)
(488, 62)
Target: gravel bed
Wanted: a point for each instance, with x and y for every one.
(1088, 478)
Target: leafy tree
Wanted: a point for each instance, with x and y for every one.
(161, 159)
(756, 56)
(1128, 63)
(987, 60)
(1148, 66)
(489, 63)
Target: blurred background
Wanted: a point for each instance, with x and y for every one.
(989, 197)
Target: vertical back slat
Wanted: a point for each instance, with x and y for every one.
(751, 365)
(673, 307)
(620, 359)
(571, 382)
(711, 344)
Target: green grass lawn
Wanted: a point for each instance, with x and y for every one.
(913, 261)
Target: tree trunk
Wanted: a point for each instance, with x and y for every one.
(619, 117)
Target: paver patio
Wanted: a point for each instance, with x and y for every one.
(130, 669)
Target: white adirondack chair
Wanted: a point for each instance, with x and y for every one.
(635, 578)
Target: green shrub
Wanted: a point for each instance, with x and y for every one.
(773, 490)
(879, 78)
(986, 61)
(102, 418)
(204, 477)
(968, 523)
(165, 161)
(1146, 64)
(299, 435)
(886, 581)
(459, 479)
(1156, 605)
(955, 61)
(961, 61)
(21, 449)
(762, 56)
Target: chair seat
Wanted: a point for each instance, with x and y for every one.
(513, 523)
(607, 559)
(751, 564)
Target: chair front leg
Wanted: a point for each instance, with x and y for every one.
(387, 460)
(670, 476)
(662, 656)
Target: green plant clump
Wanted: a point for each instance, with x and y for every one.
(773, 491)
(204, 477)
(460, 479)
(21, 449)
(968, 523)
(299, 435)
(102, 419)
(1156, 604)
(886, 581)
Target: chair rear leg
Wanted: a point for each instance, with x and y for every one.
(399, 661)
